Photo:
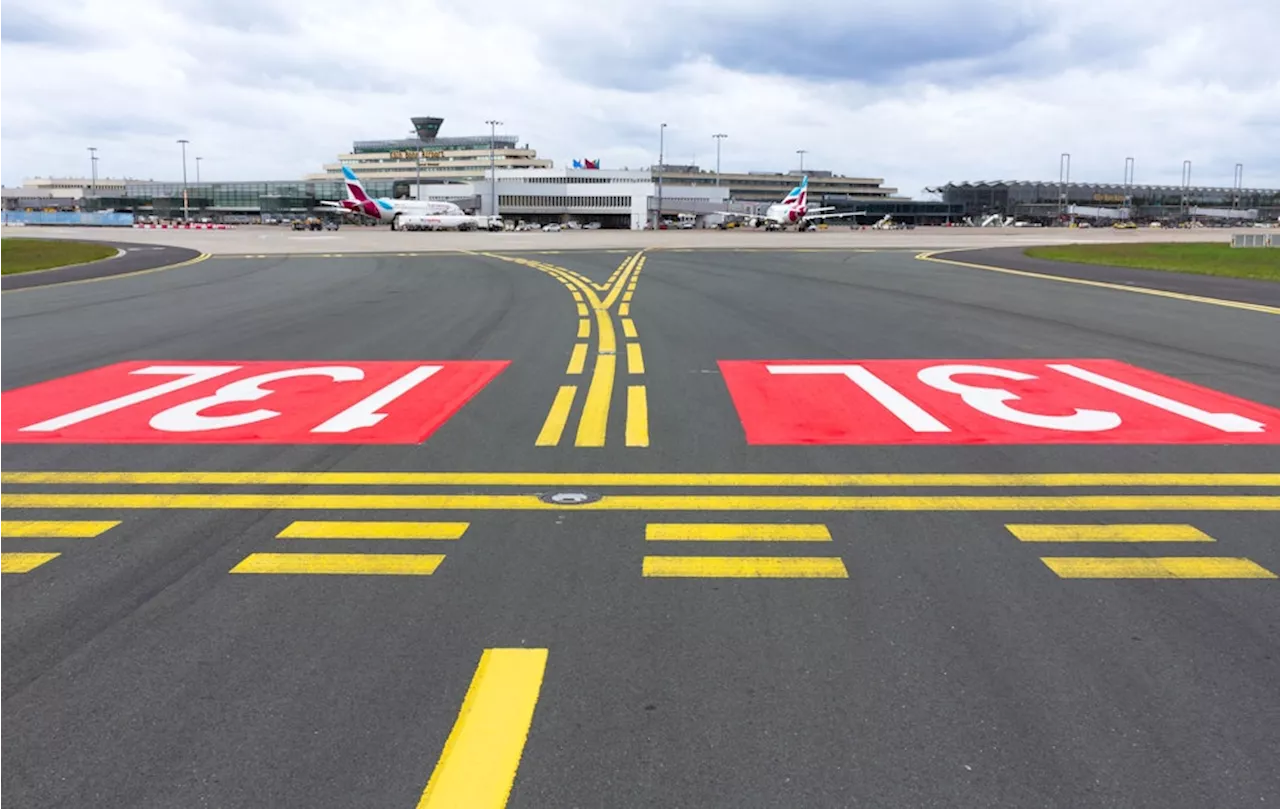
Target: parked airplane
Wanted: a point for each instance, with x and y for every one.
(793, 210)
(382, 209)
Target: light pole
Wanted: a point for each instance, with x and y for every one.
(719, 137)
(1186, 183)
(1128, 183)
(198, 159)
(493, 169)
(1064, 179)
(186, 216)
(93, 170)
(662, 131)
(801, 152)
(1239, 183)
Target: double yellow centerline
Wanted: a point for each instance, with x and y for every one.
(596, 302)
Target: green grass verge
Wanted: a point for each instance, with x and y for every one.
(25, 255)
(1261, 263)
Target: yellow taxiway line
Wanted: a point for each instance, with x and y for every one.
(647, 502)
(646, 479)
(482, 754)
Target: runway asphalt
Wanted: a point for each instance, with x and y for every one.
(135, 257)
(754, 587)
(1238, 289)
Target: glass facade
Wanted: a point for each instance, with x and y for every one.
(1034, 200)
(289, 197)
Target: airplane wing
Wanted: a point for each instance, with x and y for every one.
(836, 215)
(331, 204)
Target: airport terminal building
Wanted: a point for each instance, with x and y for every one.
(1050, 202)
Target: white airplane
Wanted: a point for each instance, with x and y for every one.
(415, 221)
(793, 210)
(382, 209)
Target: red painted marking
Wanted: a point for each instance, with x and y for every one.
(155, 402)
(831, 408)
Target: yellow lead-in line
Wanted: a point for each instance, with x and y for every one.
(649, 502)
(1109, 533)
(608, 339)
(637, 416)
(355, 564)
(77, 529)
(557, 417)
(629, 328)
(594, 424)
(584, 328)
(1161, 567)
(736, 532)
(478, 765)
(577, 359)
(635, 359)
(745, 567)
(381, 529)
(729, 479)
(13, 562)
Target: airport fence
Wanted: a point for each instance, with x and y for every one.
(117, 220)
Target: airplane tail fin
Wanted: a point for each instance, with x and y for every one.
(355, 188)
(798, 195)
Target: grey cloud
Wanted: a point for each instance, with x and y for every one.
(23, 25)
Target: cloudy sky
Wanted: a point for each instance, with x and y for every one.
(918, 92)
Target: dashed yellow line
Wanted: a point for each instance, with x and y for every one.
(480, 759)
(736, 532)
(577, 359)
(624, 309)
(1109, 533)
(637, 416)
(629, 328)
(635, 359)
(14, 562)
(1161, 567)
(584, 328)
(77, 529)
(557, 417)
(356, 564)
(745, 567)
(383, 529)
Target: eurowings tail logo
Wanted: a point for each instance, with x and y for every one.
(355, 189)
(798, 198)
(357, 199)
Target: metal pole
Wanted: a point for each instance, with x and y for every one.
(186, 214)
(1128, 184)
(662, 131)
(493, 170)
(801, 152)
(1186, 183)
(1064, 179)
(718, 137)
(198, 159)
(93, 170)
(1239, 183)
